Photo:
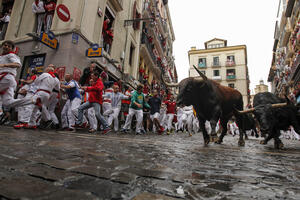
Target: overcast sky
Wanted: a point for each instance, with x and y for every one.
(240, 22)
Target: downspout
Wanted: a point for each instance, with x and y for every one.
(20, 18)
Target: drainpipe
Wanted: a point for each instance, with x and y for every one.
(20, 18)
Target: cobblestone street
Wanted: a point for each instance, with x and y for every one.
(60, 165)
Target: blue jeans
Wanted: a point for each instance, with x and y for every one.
(97, 109)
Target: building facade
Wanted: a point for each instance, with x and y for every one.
(156, 55)
(224, 64)
(284, 74)
(88, 25)
(261, 87)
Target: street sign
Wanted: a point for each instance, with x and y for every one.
(49, 40)
(75, 38)
(63, 12)
(94, 51)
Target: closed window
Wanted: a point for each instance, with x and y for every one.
(216, 61)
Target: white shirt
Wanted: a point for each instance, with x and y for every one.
(9, 58)
(45, 82)
(38, 8)
(5, 19)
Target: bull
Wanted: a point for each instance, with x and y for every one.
(273, 114)
(211, 102)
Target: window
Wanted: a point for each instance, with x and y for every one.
(202, 62)
(107, 30)
(230, 73)
(216, 72)
(231, 85)
(230, 61)
(5, 16)
(230, 58)
(216, 61)
(132, 48)
(203, 72)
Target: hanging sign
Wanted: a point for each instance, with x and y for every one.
(49, 40)
(94, 51)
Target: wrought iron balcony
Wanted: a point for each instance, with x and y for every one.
(230, 77)
(202, 65)
(230, 63)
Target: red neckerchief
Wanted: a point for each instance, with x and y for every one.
(3, 54)
(52, 74)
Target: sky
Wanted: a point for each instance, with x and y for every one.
(240, 22)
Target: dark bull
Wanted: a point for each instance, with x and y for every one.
(211, 102)
(273, 114)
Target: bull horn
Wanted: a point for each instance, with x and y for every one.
(246, 111)
(168, 84)
(200, 73)
(279, 105)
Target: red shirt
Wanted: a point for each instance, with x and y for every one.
(95, 92)
(50, 7)
(171, 107)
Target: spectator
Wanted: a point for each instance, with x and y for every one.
(39, 10)
(50, 9)
(4, 22)
(86, 76)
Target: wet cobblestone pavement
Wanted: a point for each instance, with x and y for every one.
(59, 165)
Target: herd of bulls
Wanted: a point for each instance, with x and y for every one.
(214, 102)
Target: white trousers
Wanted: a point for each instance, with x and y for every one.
(114, 118)
(139, 118)
(9, 84)
(69, 112)
(49, 18)
(24, 112)
(40, 22)
(44, 96)
(170, 118)
(107, 109)
(92, 118)
(51, 107)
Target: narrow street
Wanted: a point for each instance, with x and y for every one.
(61, 165)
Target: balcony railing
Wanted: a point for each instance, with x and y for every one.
(216, 64)
(230, 63)
(202, 65)
(149, 46)
(230, 77)
(217, 78)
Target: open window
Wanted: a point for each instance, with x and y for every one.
(202, 62)
(230, 74)
(6, 9)
(107, 29)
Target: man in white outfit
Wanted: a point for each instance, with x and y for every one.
(68, 114)
(116, 98)
(39, 10)
(45, 84)
(53, 100)
(9, 63)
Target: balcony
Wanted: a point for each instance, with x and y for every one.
(117, 4)
(215, 64)
(230, 77)
(149, 47)
(202, 65)
(217, 78)
(230, 63)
